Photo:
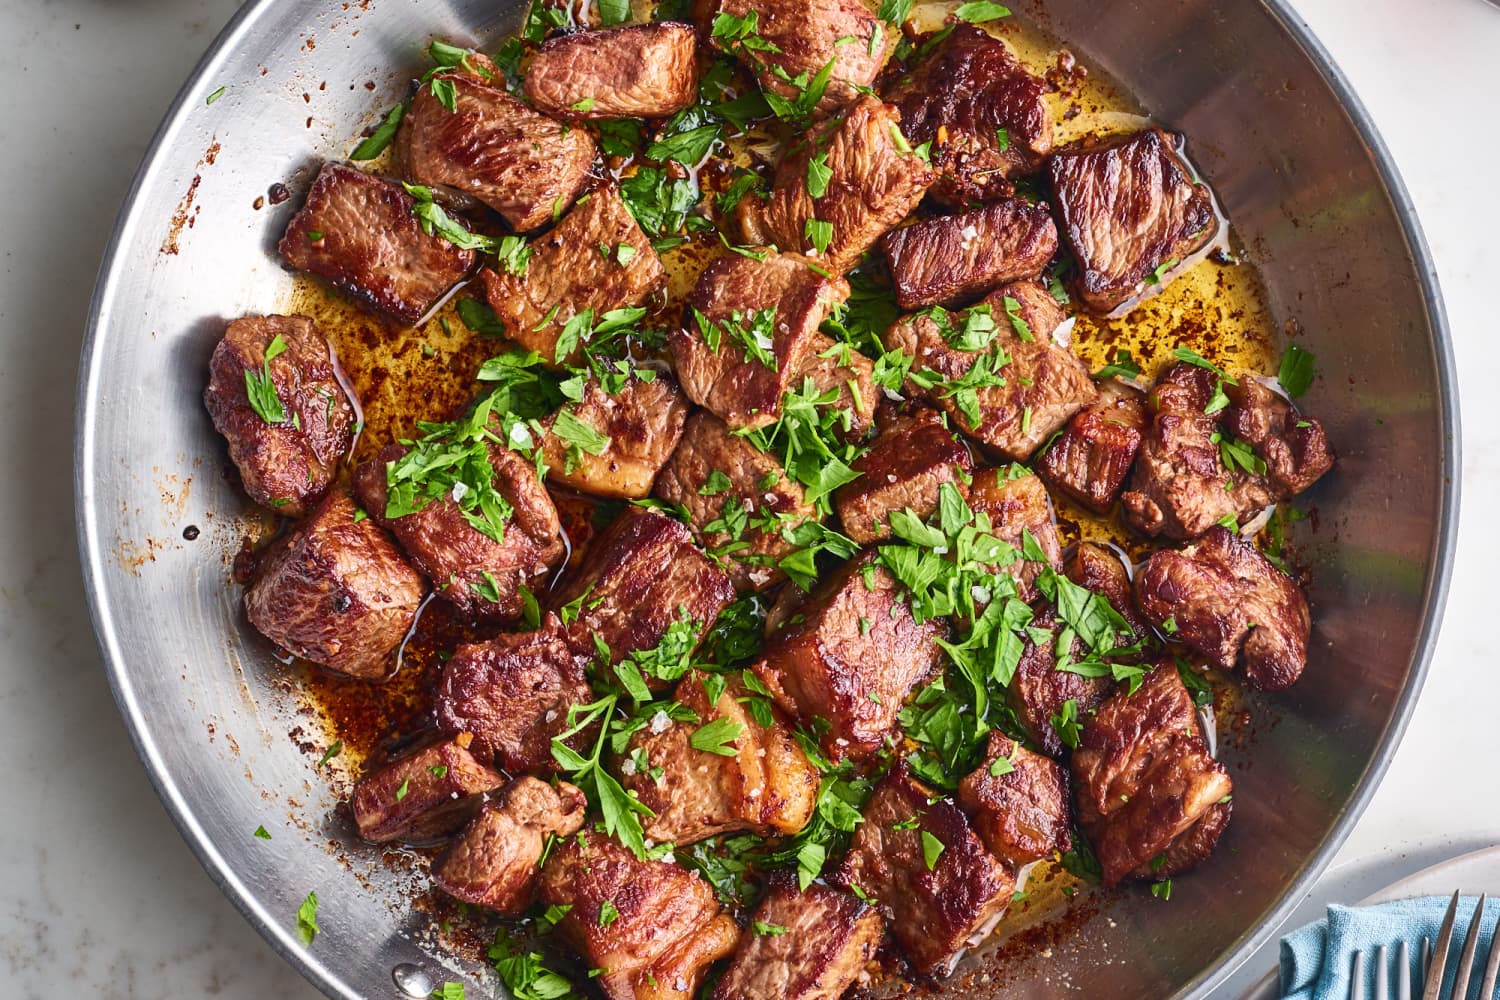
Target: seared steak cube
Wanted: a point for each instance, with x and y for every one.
(512, 695)
(1090, 460)
(1028, 386)
(636, 71)
(642, 423)
(642, 574)
(749, 327)
(595, 259)
(1223, 598)
(493, 862)
(1129, 207)
(1294, 447)
(1039, 692)
(952, 260)
(1019, 801)
(850, 655)
(1100, 569)
(757, 778)
(1181, 487)
(492, 147)
(360, 234)
(916, 856)
(423, 796)
(873, 180)
(982, 111)
(804, 36)
(712, 470)
(650, 927)
(836, 368)
(469, 568)
(335, 590)
(1016, 503)
(909, 461)
(1144, 779)
(818, 942)
(286, 462)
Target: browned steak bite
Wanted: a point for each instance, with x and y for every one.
(741, 775)
(335, 590)
(493, 862)
(1223, 598)
(652, 929)
(749, 328)
(360, 234)
(466, 566)
(494, 148)
(1294, 448)
(917, 858)
(804, 36)
(286, 457)
(951, 260)
(818, 941)
(982, 111)
(713, 471)
(423, 796)
(637, 71)
(873, 180)
(1019, 801)
(1092, 457)
(1027, 388)
(642, 574)
(850, 655)
(837, 368)
(512, 695)
(913, 456)
(1100, 569)
(640, 425)
(1017, 504)
(1146, 784)
(596, 259)
(1039, 692)
(1130, 210)
(1180, 487)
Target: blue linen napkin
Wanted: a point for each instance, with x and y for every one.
(1316, 960)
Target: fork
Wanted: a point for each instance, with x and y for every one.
(1435, 966)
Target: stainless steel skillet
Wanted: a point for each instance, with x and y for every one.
(1299, 170)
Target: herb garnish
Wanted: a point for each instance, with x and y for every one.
(261, 389)
(307, 919)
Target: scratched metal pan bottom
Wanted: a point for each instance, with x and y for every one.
(1297, 166)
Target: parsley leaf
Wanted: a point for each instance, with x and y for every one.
(375, 143)
(932, 849)
(716, 737)
(307, 919)
(1124, 365)
(819, 174)
(976, 13)
(261, 388)
(819, 234)
(659, 203)
(1297, 371)
(688, 148)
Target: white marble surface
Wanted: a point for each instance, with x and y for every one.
(100, 897)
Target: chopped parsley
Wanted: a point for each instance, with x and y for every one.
(932, 849)
(977, 13)
(1297, 370)
(307, 919)
(1124, 366)
(332, 752)
(375, 143)
(262, 833)
(261, 388)
(716, 737)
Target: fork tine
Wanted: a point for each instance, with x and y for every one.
(1403, 972)
(1382, 985)
(1357, 977)
(1466, 960)
(1426, 958)
(1434, 983)
(1491, 969)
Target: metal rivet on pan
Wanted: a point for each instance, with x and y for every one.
(411, 980)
